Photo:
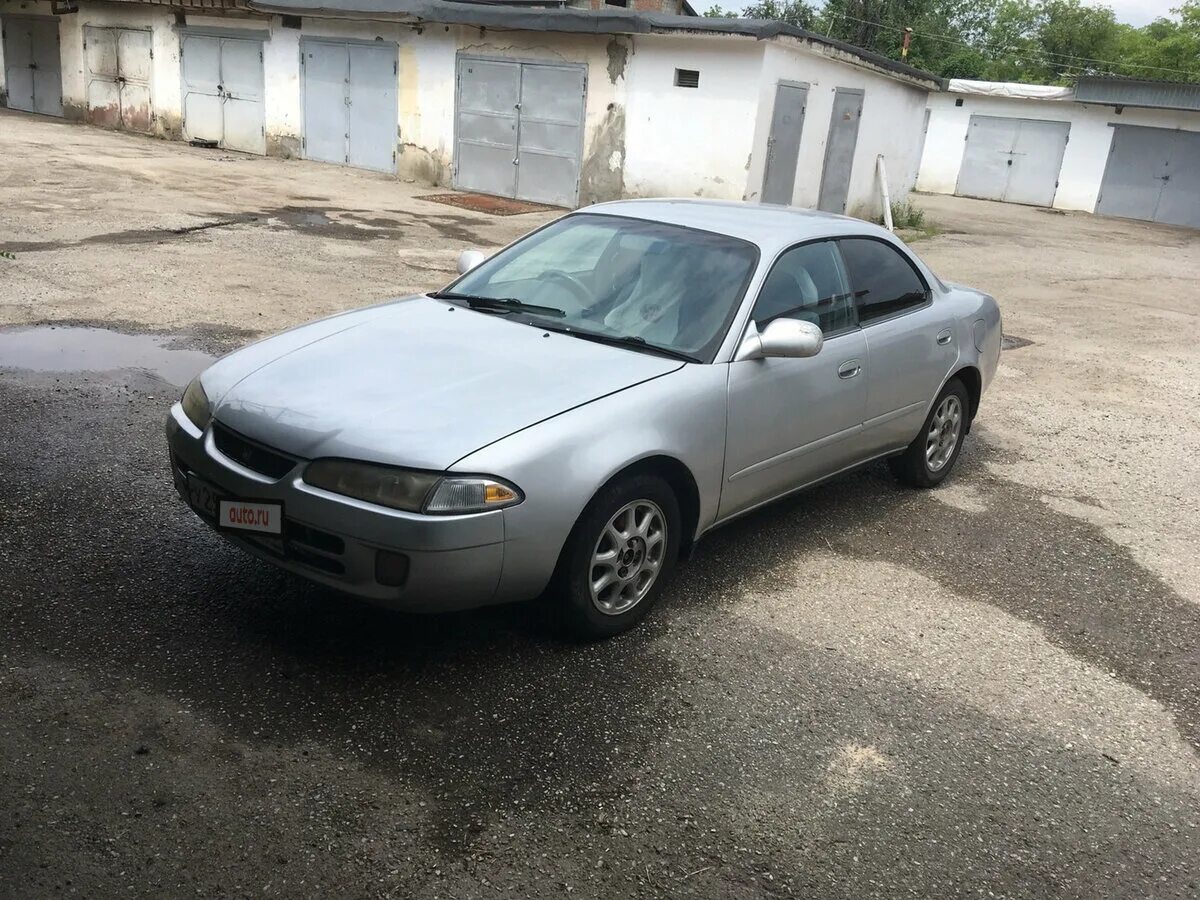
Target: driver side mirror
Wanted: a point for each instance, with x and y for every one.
(469, 259)
(789, 338)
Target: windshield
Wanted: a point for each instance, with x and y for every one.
(667, 286)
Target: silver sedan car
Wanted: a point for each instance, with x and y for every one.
(570, 416)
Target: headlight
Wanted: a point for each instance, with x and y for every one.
(411, 491)
(195, 404)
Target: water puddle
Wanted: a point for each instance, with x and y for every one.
(66, 348)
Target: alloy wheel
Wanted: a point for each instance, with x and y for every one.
(944, 430)
(628, 557)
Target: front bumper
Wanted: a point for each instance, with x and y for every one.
(453, 562)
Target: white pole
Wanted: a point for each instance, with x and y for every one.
(883, 193)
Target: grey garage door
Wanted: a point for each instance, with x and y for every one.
(32, 70)
(1152, 174)
(519, 129)
(783, 143)
(223, 92)
(350, 103)
(118, 77)
(839, 149)
(1015, 160)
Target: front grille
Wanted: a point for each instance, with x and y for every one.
(252, 455)
(302, 544)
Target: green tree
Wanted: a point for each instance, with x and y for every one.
(793, 12)
(1075, 39)
(1034, 41)
(1164, 49)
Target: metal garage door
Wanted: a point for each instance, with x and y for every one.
(223, 92)
(783, 142)
(118, 73)
(350, 103)
(1015, 160)
(32, 70)
(839, 149)
(1152, 174)
(519, 129)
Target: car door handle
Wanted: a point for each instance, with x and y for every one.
(849, 368)
(944, 337)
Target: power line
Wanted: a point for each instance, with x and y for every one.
(1032, 51)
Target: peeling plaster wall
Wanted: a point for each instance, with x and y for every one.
(683, 142)
(426, 152)
(893, 119)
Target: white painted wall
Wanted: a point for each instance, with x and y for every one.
(683, 142)
(892, 122)
(1087, 149)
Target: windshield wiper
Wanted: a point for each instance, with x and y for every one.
(499, 304)
(631, 341)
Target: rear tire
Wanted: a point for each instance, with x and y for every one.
(932, 454)
(618, 556)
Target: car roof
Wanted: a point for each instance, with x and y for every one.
(765, 224)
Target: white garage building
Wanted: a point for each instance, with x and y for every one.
(558, 105)
(1111, 146)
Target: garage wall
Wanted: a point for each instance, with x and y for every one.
(892, 123)
(684, 142)
(22, 8)
(603, 56)
(164, 81)
(1085, 157)
(282, 73)
(643, 135)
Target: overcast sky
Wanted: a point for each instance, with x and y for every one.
(1139, 12)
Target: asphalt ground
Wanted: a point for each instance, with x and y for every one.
(990, 688)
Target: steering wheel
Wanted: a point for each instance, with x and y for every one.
(581, 291)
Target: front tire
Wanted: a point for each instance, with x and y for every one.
(932, 454)
(618, 556)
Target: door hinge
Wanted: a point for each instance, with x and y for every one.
(260, 59)
(303, 143)
(152, 53)
(395, 68)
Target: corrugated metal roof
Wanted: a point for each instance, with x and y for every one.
(1136, 92)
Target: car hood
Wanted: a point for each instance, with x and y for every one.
(419, 383)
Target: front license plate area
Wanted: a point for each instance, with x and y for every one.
(203, 497)
(250, 515)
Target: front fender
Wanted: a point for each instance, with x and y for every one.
(562, 462)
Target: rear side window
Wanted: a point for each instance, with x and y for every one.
(883, 281)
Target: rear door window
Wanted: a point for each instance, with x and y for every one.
(882, 280)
